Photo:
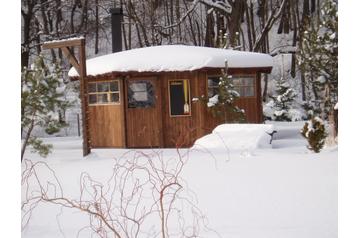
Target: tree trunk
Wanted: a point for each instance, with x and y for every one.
(313, 6)
(248, 26)
(177, 14)
(26, 140)
(209, 31)
(25, 46)
(234, 19)
(96, 28)
(294, 40)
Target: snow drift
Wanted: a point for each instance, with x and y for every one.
(237, 137)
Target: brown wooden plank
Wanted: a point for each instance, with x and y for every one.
(179, 131)
(66, 51)
(106, 127)
(62, 43)
(143, 126)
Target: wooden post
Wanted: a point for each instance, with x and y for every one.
(78, 125)
(83, 95)
(259, 109)
(80, 66)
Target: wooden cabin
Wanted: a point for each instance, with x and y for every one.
(143, 98)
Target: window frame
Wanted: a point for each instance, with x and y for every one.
(254, 76)
(138, 80)
(189, 98)
(108, 93)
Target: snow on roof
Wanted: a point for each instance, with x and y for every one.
(169, 58)
(64, 39)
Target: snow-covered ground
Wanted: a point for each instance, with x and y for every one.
(243, 189)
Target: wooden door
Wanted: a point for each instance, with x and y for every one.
(106, 120)
(143, 113)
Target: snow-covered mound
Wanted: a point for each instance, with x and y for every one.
(237, 137)
(173, 58)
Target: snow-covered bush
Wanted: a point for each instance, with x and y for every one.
(222, 104)
(281, 106)
(315, 133)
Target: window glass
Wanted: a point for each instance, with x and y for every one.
(114, 97)
(250, 92)
(103, 92)
(213, 87)
(179, 96)
(92, 87)
(244, 85)
(114, 86)
(92, 98)
(102, 98)
(103, 87)
(141, 94)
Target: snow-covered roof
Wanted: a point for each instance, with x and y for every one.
(169, 58)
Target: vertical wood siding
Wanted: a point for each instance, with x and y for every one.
(106, 124)
(118, 126)
(144, 125)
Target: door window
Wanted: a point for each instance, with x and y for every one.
(141, 94)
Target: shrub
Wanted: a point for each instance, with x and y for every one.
(315, 133)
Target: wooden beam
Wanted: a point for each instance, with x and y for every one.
(66, 51)
(62, 43)
(83, 95)
(80, 66)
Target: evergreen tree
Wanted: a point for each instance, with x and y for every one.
(318, 57)
(281, 104)
(315, 133)
(222, 104)
(41, 97)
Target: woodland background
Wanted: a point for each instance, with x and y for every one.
(301, 35)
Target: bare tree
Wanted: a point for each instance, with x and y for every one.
(143, 189)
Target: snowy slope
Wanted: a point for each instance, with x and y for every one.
(279, 192)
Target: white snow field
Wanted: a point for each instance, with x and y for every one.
(245, 188)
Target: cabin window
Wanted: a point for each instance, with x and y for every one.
(179, 97)
(141, 94)
(244, 85)
(100, 93)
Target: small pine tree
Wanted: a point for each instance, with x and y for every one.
(315, 133)
(41, 97)
(283, 100)
(222, 104)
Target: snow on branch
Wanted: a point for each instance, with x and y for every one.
(223, 5)
(271, 20)
(287, 49)
(192, 8)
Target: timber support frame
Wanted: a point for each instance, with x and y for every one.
(80, 66)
